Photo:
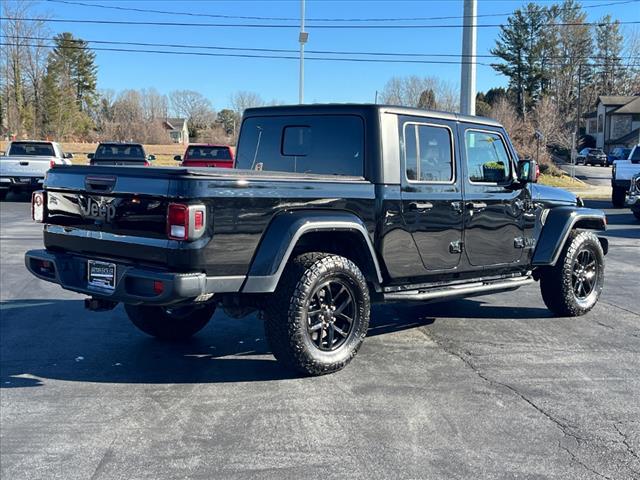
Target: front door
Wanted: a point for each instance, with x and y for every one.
(494, 220)
(430, 191)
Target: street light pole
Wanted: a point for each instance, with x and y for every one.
(302, 38)
(468, 61)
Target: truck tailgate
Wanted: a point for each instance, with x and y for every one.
(24, 166)
(95, 210)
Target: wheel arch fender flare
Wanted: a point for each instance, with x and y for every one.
(559, 223)
(283, 234)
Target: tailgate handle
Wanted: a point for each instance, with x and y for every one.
(99, 184)
(24, 164)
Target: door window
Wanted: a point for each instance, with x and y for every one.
(487, 157)
(428, 153)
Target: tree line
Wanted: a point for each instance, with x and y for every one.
(52, 92)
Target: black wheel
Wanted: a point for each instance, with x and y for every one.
(170, 323)
(617, 196)
(572, 287)
(3, 194)
(319, 315)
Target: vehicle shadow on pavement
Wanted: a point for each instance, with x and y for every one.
(59, 340)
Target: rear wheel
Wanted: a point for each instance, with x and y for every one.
(319, 315)
(170, 323)
(617, 196)
(572, 287)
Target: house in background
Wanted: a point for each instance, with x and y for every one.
(177, 128)
(615, 123)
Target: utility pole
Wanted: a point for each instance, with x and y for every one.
(302, 38)
(468, 70)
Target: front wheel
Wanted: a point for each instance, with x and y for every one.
(572, 287)
(170, 323)
(319, 315)
(617, 196)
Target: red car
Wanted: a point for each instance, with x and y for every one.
(204, 155)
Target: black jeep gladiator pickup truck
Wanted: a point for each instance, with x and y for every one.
(331, 208)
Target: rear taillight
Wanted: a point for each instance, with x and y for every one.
(178, 221)
(38, 207)
(52, 163)
(185, 222)
(147, 164)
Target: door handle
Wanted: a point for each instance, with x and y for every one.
(420, 206)
(478, 206)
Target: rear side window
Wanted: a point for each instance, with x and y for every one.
(428, 153)
(32, 149)
(208, 153)
(487, 158)
(321, 144)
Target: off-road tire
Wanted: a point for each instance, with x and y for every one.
(286, 319)
(556, 283)
(617, 196)
(166, 323)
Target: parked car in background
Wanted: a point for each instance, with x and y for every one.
(633, 201)
(118, 153)
(621, 174)
(619, 153)
(596, 156)
(582, 155)
(25, 163)
(205, 155)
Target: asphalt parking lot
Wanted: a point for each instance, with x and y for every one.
(489, 387)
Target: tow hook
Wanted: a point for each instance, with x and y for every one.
(99, 305)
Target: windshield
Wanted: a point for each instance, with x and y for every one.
(208, 153)
(32, 149)
(126, 152)
(321, 144)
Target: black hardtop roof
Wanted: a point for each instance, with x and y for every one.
(364, 109)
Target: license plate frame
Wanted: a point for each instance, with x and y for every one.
(101, 274)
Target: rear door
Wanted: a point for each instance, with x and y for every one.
(494, 212)
(431, 190)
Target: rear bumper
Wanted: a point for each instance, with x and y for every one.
(24, 182)
(134, 285)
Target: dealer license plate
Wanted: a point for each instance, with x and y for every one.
(101, 274)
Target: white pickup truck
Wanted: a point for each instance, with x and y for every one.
(621, 175)
(25, 163)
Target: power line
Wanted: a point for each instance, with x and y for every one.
(284, 57)
(278, 25)
(241, 17)
(283, 50)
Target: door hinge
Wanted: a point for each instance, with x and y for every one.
(456, 247)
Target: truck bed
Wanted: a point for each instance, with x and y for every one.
(120, 212)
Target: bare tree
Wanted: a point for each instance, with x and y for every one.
(242, 100)
(194, 107)
(155, 106)
(407, 91)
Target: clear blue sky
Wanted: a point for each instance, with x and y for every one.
(218, 77)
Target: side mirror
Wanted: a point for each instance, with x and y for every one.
(68, 155)
(177, 158)
(528, 171)
(151, 157)
(90, 156)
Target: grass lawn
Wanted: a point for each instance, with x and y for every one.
(565, 181)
